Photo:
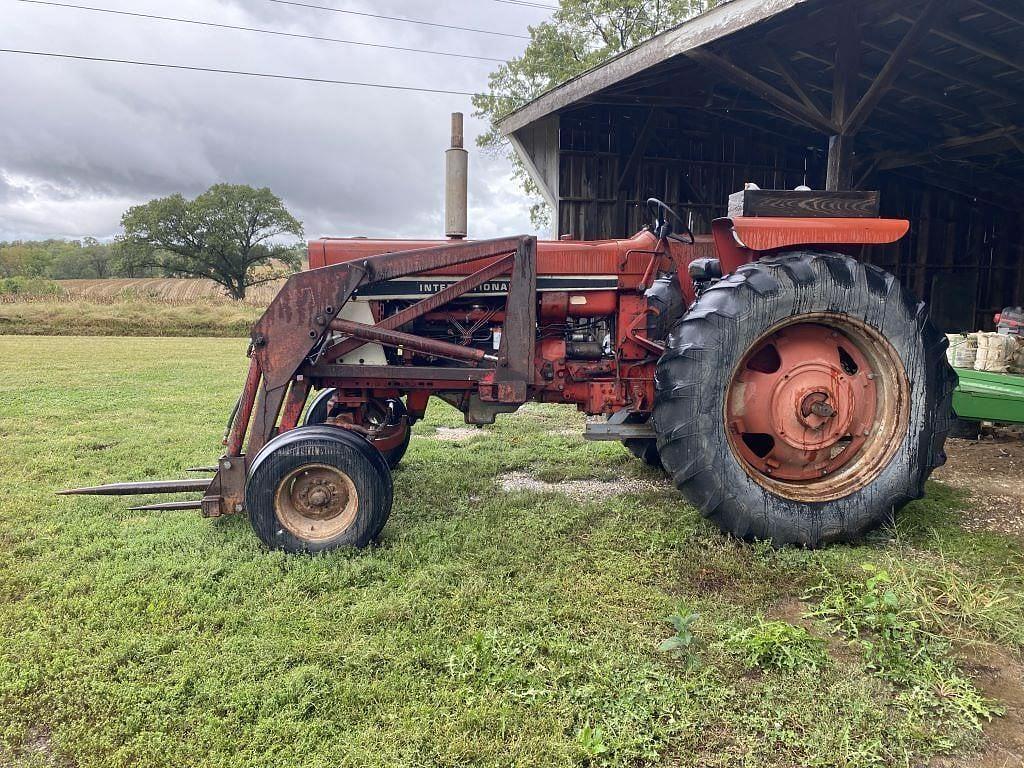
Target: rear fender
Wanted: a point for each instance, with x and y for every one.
(742, 240)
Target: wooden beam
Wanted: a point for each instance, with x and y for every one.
(785, 70)
(956, 75)
(866, 174)
(839, 173)
(889, 160)
(911, 122)
(915, 35)
(1014, 16)
(1007, 57)
(764, 90)
(1017, 143)
(909, 89)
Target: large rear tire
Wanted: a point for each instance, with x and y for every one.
(804, 399)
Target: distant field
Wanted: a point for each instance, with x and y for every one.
(132, 307)
(163, 289)
(513, 612)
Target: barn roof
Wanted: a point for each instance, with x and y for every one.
(720, 21)
(933, 86)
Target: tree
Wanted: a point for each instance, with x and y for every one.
(580, 35)
(231, 234)
(27, 258)
(98, 257)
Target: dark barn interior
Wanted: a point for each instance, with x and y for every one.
(919, 99)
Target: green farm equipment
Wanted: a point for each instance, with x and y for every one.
(995, 397)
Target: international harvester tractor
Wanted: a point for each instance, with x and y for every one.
(793, 392)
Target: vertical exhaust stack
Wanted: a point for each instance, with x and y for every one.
(456, 183)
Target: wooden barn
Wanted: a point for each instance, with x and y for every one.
(922, 100)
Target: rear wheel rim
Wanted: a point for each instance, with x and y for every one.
(316, 502)
(817, 407)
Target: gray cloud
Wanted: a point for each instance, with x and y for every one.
(81, 141)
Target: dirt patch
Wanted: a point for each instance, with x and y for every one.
(36, 749)
(455, 434)
(580, 490)
(999, 677)
(991, 470)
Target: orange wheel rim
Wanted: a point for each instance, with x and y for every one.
(817, 407)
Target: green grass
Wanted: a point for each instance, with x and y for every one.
(484, 628)
(133, 317)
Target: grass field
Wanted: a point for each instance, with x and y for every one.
(558, 624)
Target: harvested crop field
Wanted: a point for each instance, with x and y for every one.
(514, 611)
(162, 289)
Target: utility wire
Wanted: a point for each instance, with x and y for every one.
(238, 72)
(256, 29)
(528, 4)
(399, 18)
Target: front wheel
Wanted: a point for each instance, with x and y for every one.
(804, 399)
(317, 488)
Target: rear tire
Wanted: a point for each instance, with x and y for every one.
(702, 382)
(317, 488)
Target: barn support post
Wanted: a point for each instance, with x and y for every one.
(851, 115)
(846, 68)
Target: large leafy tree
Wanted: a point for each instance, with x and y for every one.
(579, 35)
(232, 234)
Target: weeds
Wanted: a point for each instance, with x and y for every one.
(591, 741)
(681, 644)
(899, 645)
(777, 645)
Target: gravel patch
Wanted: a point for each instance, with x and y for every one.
(454, 434)
(581, 490)
(991, 470)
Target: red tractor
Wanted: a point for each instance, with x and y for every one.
(792, 392)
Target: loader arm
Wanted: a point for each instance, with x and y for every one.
(286, 340)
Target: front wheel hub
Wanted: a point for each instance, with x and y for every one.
(316, 502)
(815, 398)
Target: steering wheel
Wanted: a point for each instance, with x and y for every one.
(663, 228)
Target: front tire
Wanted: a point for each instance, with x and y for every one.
(318, 488)
(804, 399)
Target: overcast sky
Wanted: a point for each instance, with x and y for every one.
(81, 141)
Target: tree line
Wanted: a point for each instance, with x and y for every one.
(236, 235)
(68, 259)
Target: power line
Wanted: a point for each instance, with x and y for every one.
(238, 72)
(399, 18)
(528, 4)
(256, 29)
